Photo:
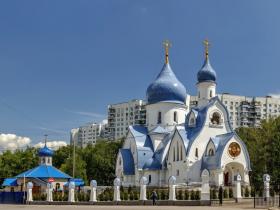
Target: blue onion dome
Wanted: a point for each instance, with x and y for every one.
(206, 73)
(45, 151)
(166, 88)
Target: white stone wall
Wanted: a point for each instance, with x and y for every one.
(167, 114)
(206, 91)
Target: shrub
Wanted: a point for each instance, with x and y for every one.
(187, 195)
(125, 195)
(197, 195)
(230, 193)
(131, 196)
(180, 195)
(213, 194)
(192, 195)
(136, 195)
(252, 191)
(225, 193)
(247, 192)
(101, 196)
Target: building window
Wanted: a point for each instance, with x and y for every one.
(211, 93)
(150, 178)
(177, 173)
(57, 186)
(196, 152)
(175, 117)
(159, 118)
(198, 94)
(120, 161)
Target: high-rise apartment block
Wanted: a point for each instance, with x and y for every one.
(88, 134)
(121, 115)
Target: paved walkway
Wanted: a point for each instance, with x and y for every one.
(70, 207)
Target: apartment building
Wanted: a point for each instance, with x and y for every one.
(121, 115)
(88, 134)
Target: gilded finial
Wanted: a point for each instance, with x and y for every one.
(46, 136)
(166, 45)
(206, 46)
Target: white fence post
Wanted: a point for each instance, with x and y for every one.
(93, 186)
(266, 180)
(143, 183)
(117, 183)
(205, 189)
(172, 188)
(49, 192)
(29, 191)
(71, 194)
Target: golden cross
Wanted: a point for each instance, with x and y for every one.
(166, 45)
(206, 45)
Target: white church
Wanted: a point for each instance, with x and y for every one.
(182, 142)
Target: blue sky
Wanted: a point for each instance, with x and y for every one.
(62, 62)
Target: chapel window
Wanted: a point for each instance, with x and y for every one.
(196, 152)
(175, 117)
(159, 118)
(211, 152)
(216, 118)
(177, 151)
(211, 94)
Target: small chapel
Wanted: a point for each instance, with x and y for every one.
(181, 141)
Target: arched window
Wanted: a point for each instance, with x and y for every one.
(211, 94)
(120, 161)
(159, 118)
(177, 151)
(181, 153)
(49, 160)
(198, 94)
(211, 152)
(175, 117)
(173, 154)
(196, 152)
(57, 186)
(216, 118)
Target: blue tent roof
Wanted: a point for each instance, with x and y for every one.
(44, 171)
(11, 182)
(128, 162)
(78, 182)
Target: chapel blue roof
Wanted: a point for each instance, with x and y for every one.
(44, 171)
(11, 182)
(128, 162)
(206, 73)
(166, 88)
(45, 151)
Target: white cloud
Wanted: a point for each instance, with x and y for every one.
(274, 95)
(13, 142)
(51, 144)
(88, 114)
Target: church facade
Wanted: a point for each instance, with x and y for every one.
(182, 142)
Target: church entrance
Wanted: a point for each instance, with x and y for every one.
(230, 171)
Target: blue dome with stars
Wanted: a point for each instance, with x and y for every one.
(166, 88)
(45, 151)
(206, 73)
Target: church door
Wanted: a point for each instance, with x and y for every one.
(226, 179)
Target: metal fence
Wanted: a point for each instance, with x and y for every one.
(12, 197)
(261, 202)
